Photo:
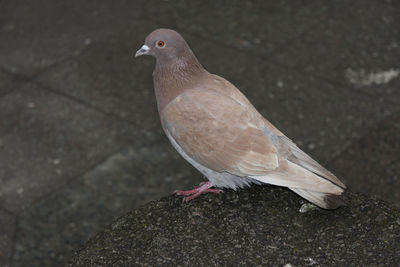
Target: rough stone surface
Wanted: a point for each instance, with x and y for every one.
(260, 226)
(84, 207)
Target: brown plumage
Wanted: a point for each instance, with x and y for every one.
(215, 127)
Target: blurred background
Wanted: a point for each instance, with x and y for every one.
(80, 138)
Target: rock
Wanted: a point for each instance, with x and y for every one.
(260, 225)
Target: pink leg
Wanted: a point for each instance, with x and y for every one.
(205, 187)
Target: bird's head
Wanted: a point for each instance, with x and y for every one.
(164, 44)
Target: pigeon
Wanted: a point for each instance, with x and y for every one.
(216, 129)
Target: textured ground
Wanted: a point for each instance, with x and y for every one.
(254, 227)
(80, 140)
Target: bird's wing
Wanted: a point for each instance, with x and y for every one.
(289, 150)
(220, 133)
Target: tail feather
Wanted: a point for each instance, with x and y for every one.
(291, 175)
(301, 158)
(323, 200)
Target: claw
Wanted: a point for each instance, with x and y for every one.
(205, 187)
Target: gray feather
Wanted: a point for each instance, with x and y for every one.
(293, 153)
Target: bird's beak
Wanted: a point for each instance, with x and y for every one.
(142, 51)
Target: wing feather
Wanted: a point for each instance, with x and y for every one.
(220, 133)
(304, 160)
(291, 175)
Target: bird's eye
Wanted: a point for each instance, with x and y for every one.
(160, 43)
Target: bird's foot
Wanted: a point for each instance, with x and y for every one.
(205, 187)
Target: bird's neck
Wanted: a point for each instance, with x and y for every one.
(172, 77)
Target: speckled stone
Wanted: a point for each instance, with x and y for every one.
(252, 227)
